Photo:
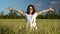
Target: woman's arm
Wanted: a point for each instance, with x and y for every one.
(50, 9)
(15, 10)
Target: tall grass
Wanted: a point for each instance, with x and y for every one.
(17, 26)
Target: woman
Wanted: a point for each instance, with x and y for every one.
(31, 15)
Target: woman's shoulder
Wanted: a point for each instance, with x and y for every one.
(25, 13)
(35, 13)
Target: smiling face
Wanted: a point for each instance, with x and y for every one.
(30, 9)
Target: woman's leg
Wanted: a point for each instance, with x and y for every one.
(27, 26)
(31, 26)
(35, 26)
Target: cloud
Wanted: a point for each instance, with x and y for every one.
(14, 4)
(1, 5)
(55, 2)
(37, 5)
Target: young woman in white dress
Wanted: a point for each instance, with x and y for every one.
(31, 15)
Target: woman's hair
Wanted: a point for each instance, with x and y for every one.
(33, 9)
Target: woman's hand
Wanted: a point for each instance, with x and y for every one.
(9, 8)
(15, 10)
(51, 9)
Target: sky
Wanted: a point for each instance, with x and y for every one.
(23, 4)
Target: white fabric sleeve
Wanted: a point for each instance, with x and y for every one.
(36, 14)
(24, 14)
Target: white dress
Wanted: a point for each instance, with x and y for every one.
(30, 19)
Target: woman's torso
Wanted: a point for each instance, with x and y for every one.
(30, 18)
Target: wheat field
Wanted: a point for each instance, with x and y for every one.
(17, 26)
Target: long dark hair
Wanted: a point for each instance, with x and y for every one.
(33, 9)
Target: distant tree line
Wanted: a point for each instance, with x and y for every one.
(14, 15)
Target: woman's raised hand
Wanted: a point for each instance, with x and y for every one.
(51, 9)
(9, 8)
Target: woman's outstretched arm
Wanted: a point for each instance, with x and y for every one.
(50, 9)
(15, 10)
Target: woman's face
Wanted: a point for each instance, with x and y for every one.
(30, 9)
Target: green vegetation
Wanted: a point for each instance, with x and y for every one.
(13, 15)
(17, 26)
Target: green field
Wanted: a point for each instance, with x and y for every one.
(17, 26)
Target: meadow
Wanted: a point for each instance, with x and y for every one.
(17, 26)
